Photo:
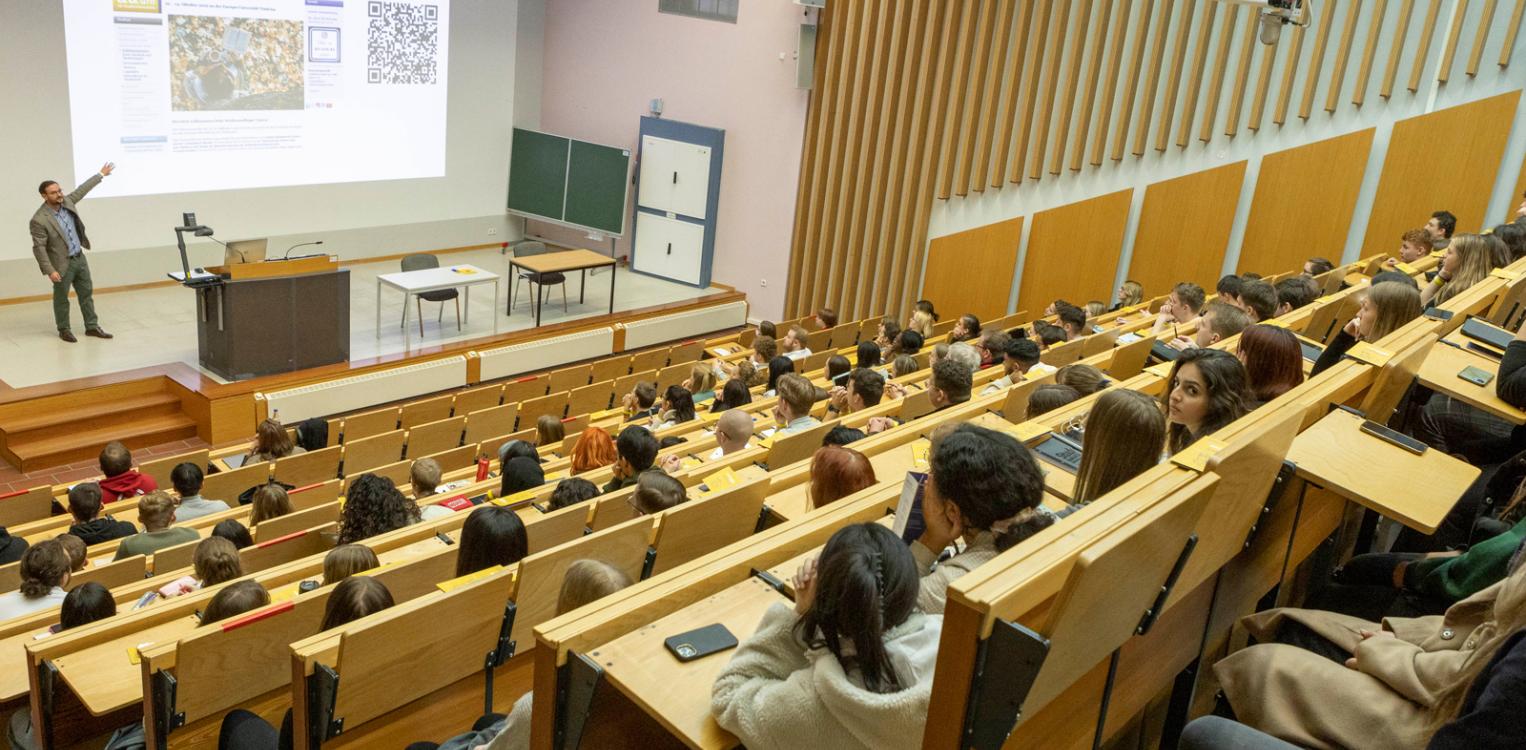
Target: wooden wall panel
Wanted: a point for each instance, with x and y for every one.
(993, 250)
(1073, 251)
(1284, 229)
(1516, 197)
(1184, 228)
(1413, 184)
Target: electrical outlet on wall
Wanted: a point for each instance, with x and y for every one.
(763, 282)
(492, 231)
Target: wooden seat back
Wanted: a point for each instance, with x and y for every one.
(434, 437)
(540, 575)
(228, 485)
(365, 454)
(688, 351)
(706, 524)
(1394, 378)
(370, 423)
(1064, 354)
(590, 398)
(477, 399)
(1130, 359)
(1098, 343)
(309, 468)
(568, 378)
(24, 506)
(400, 472)
(284, 549)
(455, 459)
(788, 449)
(300, 520)
(431, 409)
(651, 359)
(554, 404)
(491, 422)
(174, 558)
(609, 368)
(527, 387)
(113, 574)
(672, 375)
(160, 468)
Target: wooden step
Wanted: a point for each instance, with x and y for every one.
(91, 411)
(31, 454)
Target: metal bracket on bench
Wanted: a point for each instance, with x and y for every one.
(576, 684)
(763, 515)
(1153, 613)
(500, 654)
(1280, 486)
(649, 562)
(47, 681)
(166, 719)
(1006, 666)
(322, 693)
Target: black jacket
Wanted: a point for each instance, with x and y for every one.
(103, 529)
(1491, 713)
(11, 547)
(1333, 352)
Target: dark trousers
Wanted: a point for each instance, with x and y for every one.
(77, 275)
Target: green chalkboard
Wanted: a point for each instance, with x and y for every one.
(568, 181)
(596, 181)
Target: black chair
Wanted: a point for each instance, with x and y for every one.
(419, 263)
(526, 249)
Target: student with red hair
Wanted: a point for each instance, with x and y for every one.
(837, 472)
(594, 449)
(1273, 361)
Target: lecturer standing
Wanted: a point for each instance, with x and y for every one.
(59, 243)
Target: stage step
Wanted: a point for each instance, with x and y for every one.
(51, 431)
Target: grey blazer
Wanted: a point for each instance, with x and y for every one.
(49, 245)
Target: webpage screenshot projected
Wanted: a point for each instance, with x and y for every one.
(201, 95)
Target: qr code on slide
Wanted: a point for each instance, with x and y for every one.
(402, 41)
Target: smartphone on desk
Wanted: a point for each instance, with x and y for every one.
(1394, 437)
(1475, 375)
(699, 643)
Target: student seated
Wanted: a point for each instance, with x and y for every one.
(778, 367)
(838, 366)
(1020, 356)
(1219, 321)
(793, 344)
(909, 342)
(1513, 236)
(120, 478)
(1129, 294)
(90, 524)
(949, 384)
(585, 582)
(214, 562)
(867, 355)
(1354, 683)
(271, 442)
(841, 435)
(1386, 307)
(1413, 246)
(594, 449)
(1317, 266)
(656, 492)
(862, 389)
(764, 349)
(793, 410)
(1273, 361)
(734, 395)
(233, 600)
(677, 408)
(825, 318)
(1125, 433)
(521, 474)
(347, 560)
(1440, 227)
(76, 551)
(836, 473)
(492, 535)
(1258, 299)
(517, 449)
(424, 476)
(641, 403)
(849, 667)
(701, 382)
(270, 501)
(233, 531)
(187, 479)
(1072, 319)
(921, 322)
(733, 432)
(965, 328)
(984, 488)
(572, 491)
(44, 574)
(549, 431)
(1469, 259)
(885, 337)
(1294, 292)
(373, 505)
(1228, 289)
(903, 365)
(11, 547)
(1086, 379)
(1048, 397)
(1207, 390)
(1182, 306)
(990, 345)
(1048, 334)
(157, 513)
(636, 450)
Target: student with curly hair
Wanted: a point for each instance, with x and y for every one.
(373, 505)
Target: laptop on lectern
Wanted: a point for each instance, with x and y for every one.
(245, 251)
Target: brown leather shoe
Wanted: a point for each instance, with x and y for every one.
(67, 336)
(98, 333)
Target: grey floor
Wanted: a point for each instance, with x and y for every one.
(158, 326)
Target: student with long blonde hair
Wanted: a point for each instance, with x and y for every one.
(1385, 307)
(1125, 433)
(1468, 260)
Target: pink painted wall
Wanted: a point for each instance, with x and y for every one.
(604, 61)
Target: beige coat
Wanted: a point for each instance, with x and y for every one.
(1311, 701)
(937, 576)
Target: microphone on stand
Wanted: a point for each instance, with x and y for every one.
(287, 256)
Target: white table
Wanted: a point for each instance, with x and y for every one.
(464, 276)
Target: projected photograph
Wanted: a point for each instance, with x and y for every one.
(235, 64)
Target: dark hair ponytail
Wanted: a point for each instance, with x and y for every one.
(995, 482)
(866, 584)
(1024, 525)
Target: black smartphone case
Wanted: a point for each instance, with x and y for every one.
(701, 642)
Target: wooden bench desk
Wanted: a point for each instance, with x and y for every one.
(105, 677)
(677, 694)
(1439, 372)
(1417, 491)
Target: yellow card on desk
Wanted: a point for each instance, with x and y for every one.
(1406, 268)
(285, 593)
(1026, 431)
(690, 463)
(133, 657)
(464, 271)
(711, 416)
(920, 451)
(520, 496)
(455, 583)
(1196, 456)
(1505, 274)
(722, 480)
(1369, 354)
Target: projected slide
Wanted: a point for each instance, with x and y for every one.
(196, 95)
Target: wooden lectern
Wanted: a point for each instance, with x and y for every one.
(274, 316)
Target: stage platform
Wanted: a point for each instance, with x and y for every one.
(145, 385)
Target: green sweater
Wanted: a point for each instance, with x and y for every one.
(1457, 578)
(149, 542)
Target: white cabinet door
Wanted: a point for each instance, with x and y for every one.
(675, 177)
(670, 248)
